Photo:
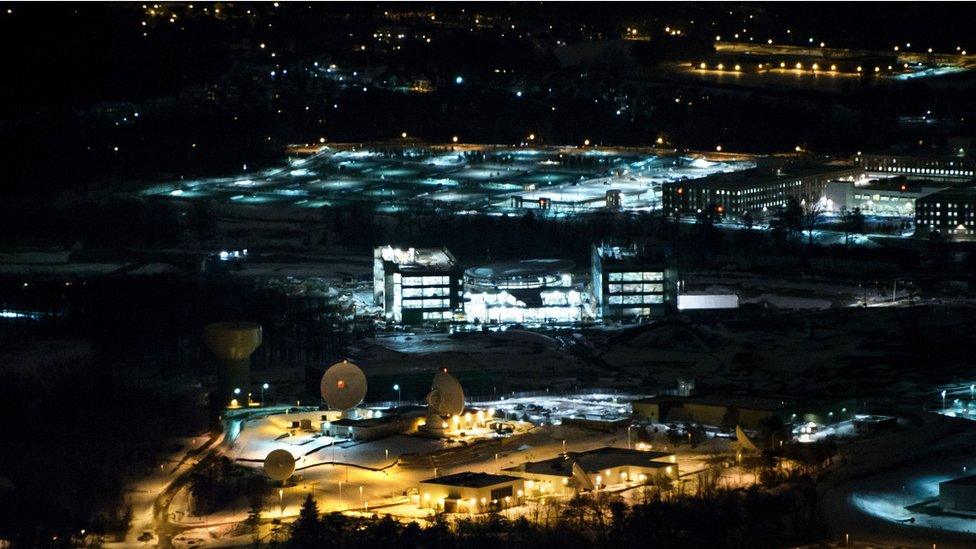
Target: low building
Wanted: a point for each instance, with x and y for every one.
(707, 302)
(958, 495)
(727, 411)
(378, 426)
(469, 492)
(595, 469)
(950, 212)
(416, 285)
(882, 197)
(754, 190)
(630, 282)
(531, 290)
(951, 161)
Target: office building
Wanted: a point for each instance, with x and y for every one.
(629, 282)
(756, 190)
(594, 470)
(950, 212)
(470, 492)
(416, 285)
(952, 161)
(893, 197)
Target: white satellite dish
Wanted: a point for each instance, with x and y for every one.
(446, 397)
(279, 465)
(343, 386)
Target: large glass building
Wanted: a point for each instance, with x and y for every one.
(629, 283)
(416, 285)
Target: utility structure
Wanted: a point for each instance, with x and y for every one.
(233, 343)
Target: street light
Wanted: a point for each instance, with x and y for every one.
(943, 400)
(263, 387)
(281, 502)
(396, 388)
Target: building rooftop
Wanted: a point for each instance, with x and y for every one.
(761, 176)
(963, 481)
(418, 258)
(614, 255)
(954, 193)
(469, 479)
(520, 269)
(594, 461)
(402, 413)
(952, 148)
(900, 184)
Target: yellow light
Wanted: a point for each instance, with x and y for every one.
(833, 67)
(702, 66)
(454, 139)
(659, 140)
(718, 148)
(531, 136)
(737, 67)
(877, 69)
(403, 135)
(782, 64)
(816, 66)
(799, 65)
(668, 469)
(859, 69)
(586, 142)
(721, 66)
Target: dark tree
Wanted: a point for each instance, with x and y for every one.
(306, 531)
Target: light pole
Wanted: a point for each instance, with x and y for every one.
(396, 388)
(972, 390)
(263, 387)
(361, 495)
(281, 501)
(943, 400)
(340, 493)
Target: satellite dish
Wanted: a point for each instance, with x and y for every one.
(279, 465)
(446, 397)
(343, 386)
(744, 440)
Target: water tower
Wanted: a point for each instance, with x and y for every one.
(232, 343)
